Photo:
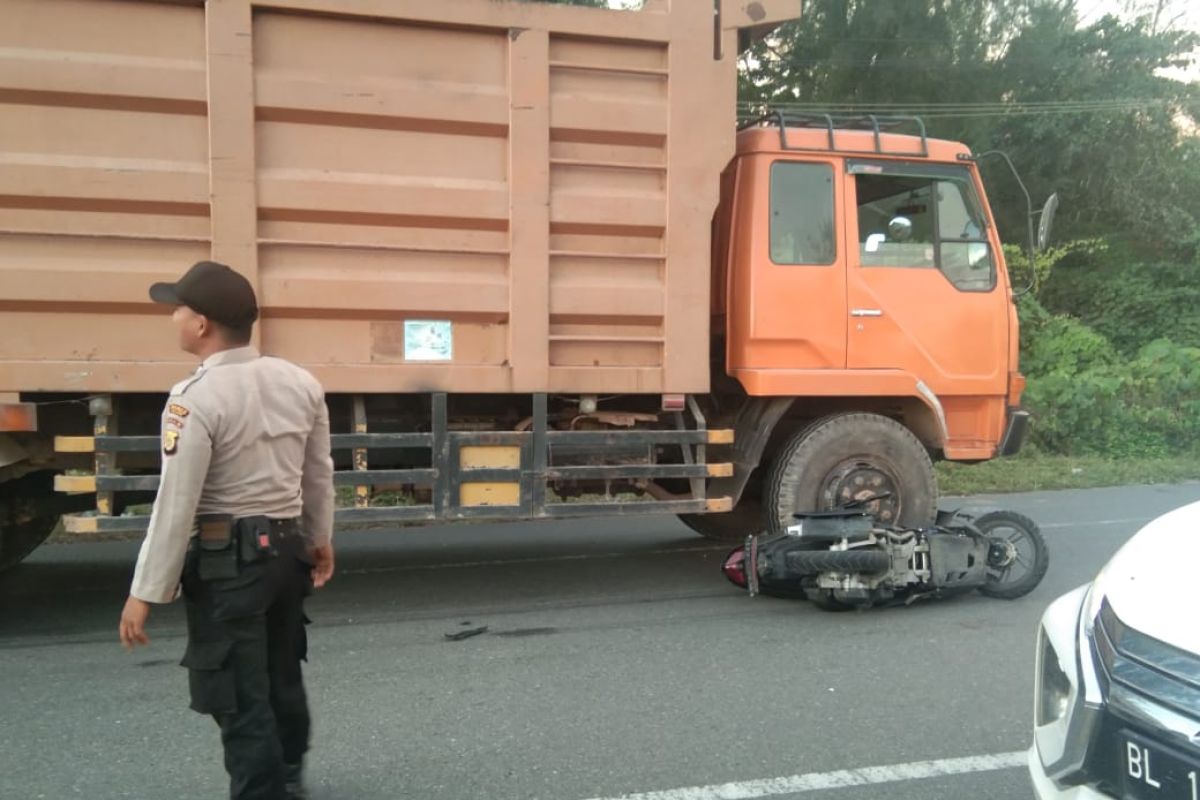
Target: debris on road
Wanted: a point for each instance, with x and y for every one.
(458, 636)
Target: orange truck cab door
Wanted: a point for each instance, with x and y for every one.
(787, 297)
(925, 289)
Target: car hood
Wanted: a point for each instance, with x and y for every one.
(1151, 582)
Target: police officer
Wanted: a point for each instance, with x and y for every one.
(243, 524)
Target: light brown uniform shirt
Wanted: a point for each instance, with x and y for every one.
(247, 436)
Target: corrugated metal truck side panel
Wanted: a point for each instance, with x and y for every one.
(541, 177)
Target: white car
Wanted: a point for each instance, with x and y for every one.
(1117, 702)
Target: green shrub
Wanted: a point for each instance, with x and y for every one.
(1127, 299)
(1111, 348)
(1146, 407)
(1054, 343)
(1164, 395)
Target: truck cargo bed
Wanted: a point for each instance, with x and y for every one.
(461, 196)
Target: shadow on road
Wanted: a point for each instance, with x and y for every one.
(75, 590)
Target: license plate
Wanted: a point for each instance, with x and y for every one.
(1149, 771)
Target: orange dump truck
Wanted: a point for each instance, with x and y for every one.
(537, 268)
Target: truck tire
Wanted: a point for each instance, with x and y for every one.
(29, 510)
(864, 561)
(852, 456)
(745, 520)
(1034, 557)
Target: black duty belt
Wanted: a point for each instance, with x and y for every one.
(283, 527)
(227, 544)
(275, 529)
(220, 529)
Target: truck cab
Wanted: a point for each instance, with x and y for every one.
(865, 263)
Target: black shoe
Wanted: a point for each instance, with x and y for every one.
(293, 782)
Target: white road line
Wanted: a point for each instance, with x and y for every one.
(1091, 522)
(817, 781)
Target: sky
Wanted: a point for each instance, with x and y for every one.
(1181, 14)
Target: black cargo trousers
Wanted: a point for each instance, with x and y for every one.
(246, 639)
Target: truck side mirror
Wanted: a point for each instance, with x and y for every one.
(1046, 221)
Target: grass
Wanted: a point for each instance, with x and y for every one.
(344, 498)
(1034, 472)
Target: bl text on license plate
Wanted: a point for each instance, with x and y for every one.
(1150, 771)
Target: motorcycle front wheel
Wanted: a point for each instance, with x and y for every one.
(1017, 558)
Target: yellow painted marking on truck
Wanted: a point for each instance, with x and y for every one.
(77, 524)
(490, 457)
(719, 505)
(75, 483)
(720, 437)
(474, 495)
(720, 470)
(74, 444)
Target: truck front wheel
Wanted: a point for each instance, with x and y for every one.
(29, 510)
(853, 456)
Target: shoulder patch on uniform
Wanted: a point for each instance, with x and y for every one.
(170, 442)
(178, 410)
(175, 422)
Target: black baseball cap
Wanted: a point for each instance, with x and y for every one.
(214, 290)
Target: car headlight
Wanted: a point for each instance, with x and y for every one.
(1054, 687)
(1067, 701)
(1092, 603)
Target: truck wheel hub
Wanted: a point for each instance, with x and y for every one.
(856, 479)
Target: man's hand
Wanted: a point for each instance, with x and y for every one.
(322, 559)
(133, 623)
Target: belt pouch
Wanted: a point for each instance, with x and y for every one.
(254, 538)
(218, 556)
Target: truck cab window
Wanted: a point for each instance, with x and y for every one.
(895, 221)
(802, 214)
(966, 257)
(924, 222)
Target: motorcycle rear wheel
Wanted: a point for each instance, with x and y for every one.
(861, 560)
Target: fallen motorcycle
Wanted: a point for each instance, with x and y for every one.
(847, 559)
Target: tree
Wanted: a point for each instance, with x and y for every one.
(1083, 111)
(1114, 137)
(904, 55)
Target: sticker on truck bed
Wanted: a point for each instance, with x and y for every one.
(428, 340)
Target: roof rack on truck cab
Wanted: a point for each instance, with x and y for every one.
(833, 124)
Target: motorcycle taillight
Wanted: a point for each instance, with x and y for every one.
(735, 567)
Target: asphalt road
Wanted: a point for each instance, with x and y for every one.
(617, 662)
